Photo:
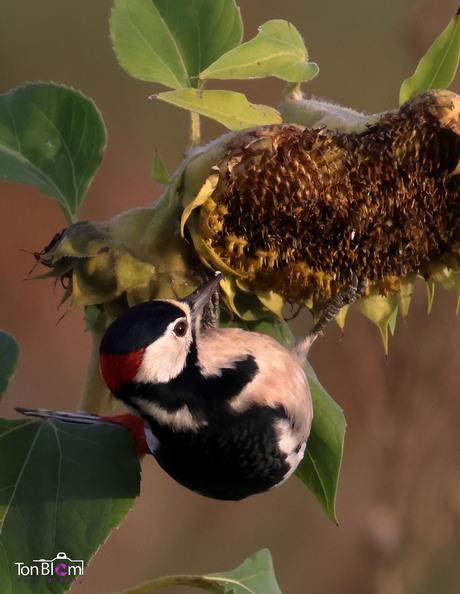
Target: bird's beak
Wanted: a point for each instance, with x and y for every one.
(199, 298)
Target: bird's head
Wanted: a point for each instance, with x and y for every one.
(150, 342)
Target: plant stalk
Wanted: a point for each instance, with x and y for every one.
(95, 397)
(195, 131)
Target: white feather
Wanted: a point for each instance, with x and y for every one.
(280, 379)
(152, 441)
(178, 420)
(164, 359)
(288, 442)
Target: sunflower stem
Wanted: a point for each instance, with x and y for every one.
(95, 397)
(195, 131)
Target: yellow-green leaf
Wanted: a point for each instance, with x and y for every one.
(254, 576)
(438, 66)
(159, 171)
(278, 50)
(381, 311)
(231, 109)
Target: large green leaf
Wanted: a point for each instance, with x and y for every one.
(51, 137)
(278, 50)
(8, 359)
(63, 488)
(320, 467)
(170, 42)
(253, 576)
(229, 108)
(438, 66)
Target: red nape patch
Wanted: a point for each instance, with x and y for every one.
(135, 426)
(118, 370)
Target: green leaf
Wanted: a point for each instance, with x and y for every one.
(438, 66)
(320, 467)
(231, 109)
(171, 42)
(51, 137)
(63, 488)
(9, 353)
(144, 46)
(253, 576)
(280, 331)
(278, 50)
(159, 172)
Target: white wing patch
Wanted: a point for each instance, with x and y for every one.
(288, 442)
(178, 420)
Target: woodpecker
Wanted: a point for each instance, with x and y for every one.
(227, 413)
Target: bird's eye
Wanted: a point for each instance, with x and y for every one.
(180, 329)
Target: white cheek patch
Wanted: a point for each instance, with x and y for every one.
(165, 358)
(178, 420)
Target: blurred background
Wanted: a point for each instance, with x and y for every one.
(399, 492)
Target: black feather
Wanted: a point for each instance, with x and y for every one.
(139, 326)
(232, 457)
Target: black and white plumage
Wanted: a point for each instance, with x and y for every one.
(227, 412)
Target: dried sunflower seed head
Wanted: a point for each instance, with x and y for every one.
(297, 212)
(289, 213)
